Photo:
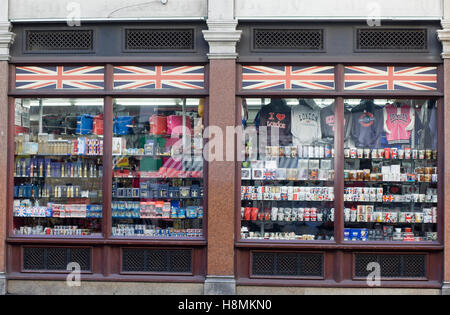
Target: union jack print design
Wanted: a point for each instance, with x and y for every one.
(159, 77)
(60, 77)
(288, 78)
(391, 78)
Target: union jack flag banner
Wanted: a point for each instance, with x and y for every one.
(159, 77)
(391, 78)
(288, 78)
(60, 77)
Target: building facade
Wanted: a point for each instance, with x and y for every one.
(98, 97)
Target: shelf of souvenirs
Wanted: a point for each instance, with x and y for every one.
(283, 236)
(78, 146)
(142, 230)
(287, 193)
(35, 168)
(390, 154)
(163, 173)
(377, 195)
(389, 234)
(58, 230)
(287, 215)
(392, 174)
(371, 214)
(25, 208)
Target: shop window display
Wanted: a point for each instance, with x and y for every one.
(391, 170)
(287, 186)
(58, 167)
(158, 168)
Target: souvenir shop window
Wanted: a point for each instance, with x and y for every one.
(58, 167)
(158, 168)
(287, 187)
(391, 174)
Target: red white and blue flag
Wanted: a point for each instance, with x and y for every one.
(60, 77)
(391, 78)
(159, 77)
(288, 78)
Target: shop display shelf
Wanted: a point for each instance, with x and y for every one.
(158, 199)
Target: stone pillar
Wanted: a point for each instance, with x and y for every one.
(6, 39)
(444, 37)
(222, 37)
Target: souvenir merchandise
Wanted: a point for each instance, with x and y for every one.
(391, 190)
(291, 183)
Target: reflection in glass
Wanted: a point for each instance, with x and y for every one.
(58, 167)
(288, 173)
(390, 170)
(158, 168)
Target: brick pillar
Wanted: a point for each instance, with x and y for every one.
(6, 38)
(444, 36)
(222, 37)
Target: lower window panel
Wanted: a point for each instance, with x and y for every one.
(287, 264)
(55, 258)
(141, 260)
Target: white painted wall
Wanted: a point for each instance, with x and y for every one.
(415, 9)
(243, 9)
(104, 9)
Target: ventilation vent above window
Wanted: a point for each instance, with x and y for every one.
(156, 260)
(287, 264)
(392, 40)
(159, 39)
(60, 41)
(55, 258)
(288, 39)
(392, 266)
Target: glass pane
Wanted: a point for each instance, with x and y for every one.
(158, 168)
(58, 167)
(390, 170)
(288, 172)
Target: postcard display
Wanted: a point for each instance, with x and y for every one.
(287, 187)
(391, 171)
(58, 168)
(158, 170)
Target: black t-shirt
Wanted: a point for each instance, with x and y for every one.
(276, 116)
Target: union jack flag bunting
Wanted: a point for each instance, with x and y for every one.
(60, 77)
(159, 77)
(288, 78)
(391, 78)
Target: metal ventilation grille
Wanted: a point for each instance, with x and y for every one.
(55, 259)
(299, 39)
(392, 266)
(67, 40)
(158, 39)
(392, 39)
(287, 264)
(156, 260)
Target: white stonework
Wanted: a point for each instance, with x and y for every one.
(106, 9)
(6, 39)
(222, 37)
(342, 9)
(444, 37)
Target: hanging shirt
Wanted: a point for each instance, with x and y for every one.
(327, 122)
(398, 123)
(367, 128)
(279, 117)
(306, 126)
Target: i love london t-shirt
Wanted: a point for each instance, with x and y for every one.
(306, 127)
(278, 117)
